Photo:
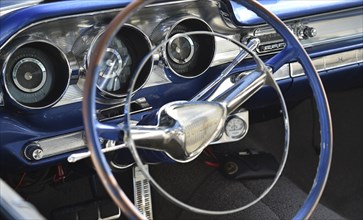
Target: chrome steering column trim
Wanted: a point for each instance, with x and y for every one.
(184, 129)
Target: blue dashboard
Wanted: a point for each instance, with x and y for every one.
(66, 30)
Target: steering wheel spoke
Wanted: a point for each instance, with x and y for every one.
(252, 45)
(109, 132)
(281, 58)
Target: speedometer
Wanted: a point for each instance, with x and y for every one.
(115, 69)
(123, 54)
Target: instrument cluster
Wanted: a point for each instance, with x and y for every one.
(45, 65)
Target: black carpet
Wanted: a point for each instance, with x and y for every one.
(211, 190)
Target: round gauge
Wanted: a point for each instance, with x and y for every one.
(235, 127)
(115, 69)
(181, 49)
(122, 57)
(30, 75)
(187, 56)
(37, 75)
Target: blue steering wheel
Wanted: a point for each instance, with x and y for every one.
(292, 51)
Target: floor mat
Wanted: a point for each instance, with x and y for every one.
(207, 188)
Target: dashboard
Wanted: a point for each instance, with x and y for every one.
(46, 48)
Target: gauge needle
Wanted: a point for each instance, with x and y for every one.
(116, 84)
(106, 76)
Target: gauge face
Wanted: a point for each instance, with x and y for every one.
(121, 59)
(188, 55)
(181, 49)
(115, 70)
(29, 75)
(235, 127)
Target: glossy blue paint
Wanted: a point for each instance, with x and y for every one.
(17, 20)
(286, 9)
(19, 129)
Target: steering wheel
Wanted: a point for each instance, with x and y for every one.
(173, 132)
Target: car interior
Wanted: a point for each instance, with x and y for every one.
(181, 109)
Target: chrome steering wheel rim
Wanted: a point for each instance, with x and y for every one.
(294, 49)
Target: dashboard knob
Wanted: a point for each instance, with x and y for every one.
(310, 32)
(33, 152)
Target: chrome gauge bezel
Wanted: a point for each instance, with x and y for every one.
(241, 133)
(164, 31)
(24, 42)
(191, 53)
(141, 37)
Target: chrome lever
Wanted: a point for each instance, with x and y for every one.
(242, 90)
(73, 158)
(252, 45)
(151, 134)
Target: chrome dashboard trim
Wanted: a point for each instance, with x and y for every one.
(141, 102)
(330, 62)
(6, 10)
(73, 95)
(331, 27)
(294, 69)
(155, 5)
(324, 26)
(330, 30)
(86, 14)
(62, 144)
(225, 50)
(86, 20)
(282, 73)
